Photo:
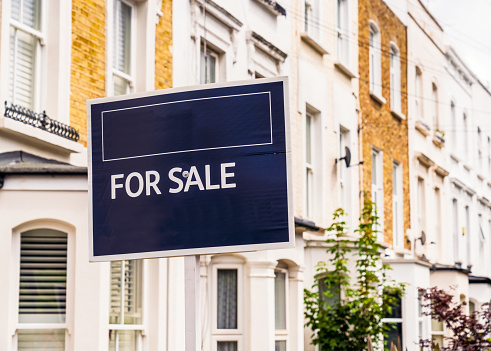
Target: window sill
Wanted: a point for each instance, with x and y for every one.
(313, 44)
(345, 70)
(422, 127)
(39, 136)
(438, 140)
(397, 114)
(455, 157)
(468, 168)
(378, 98)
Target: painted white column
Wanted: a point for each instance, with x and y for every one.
(295, 309)
(261, 302)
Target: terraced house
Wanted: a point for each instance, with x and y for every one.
(54, 56)
(380, 109)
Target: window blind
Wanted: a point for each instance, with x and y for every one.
(227, 299)
(122, 36)
(125, 304)
(43, 270)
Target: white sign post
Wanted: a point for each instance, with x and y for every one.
(191, 308)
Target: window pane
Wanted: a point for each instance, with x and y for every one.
(121, 86)
(43, 263)
(308, 139)
(335, 292)
(396, 309)
(280, 345)
(126, 301)
(22, 68)
(122, 36)
(394, 335)
(208, 65)
(227, 346)
(31, 13)
(227, 299)
(41, 339)
(126, 340)
(280, 300)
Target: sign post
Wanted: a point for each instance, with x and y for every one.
(190, 171)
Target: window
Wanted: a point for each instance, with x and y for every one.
(342, 32)
(467, 237)
(421, 210)
(42, 290)
(375, 62)
(466, 135)
(26, 38)
(395, 78)
(344, 173)
(438, 219)
(227, 323)
(123, 48)
(421, 318)
(453, 117)
(281, 298)
(437, 332)
(309, 167)
(435, 121)
(489, 154)
(378, 189)
(125, 314)
(397, 206)
(479, 149)
(456, 229)
(394, 319)
(418, 90)
(208, 72)
(311, 18)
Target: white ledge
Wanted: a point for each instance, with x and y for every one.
(36, 135)
(398, 114)
(313, 44)
(345, 70)
(378, 98)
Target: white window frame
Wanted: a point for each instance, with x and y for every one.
(399, 320)
(282, 334)
(343, 172)
(436, 110)
(465, 139)
(311, 15)
(397, 206)
(132, 327)
(310, 169)
(375, 60)
(421, 207)
(418, 93)
(453, 117)
(236, 335)
(489, 154)
(70, 283)
(39, 59)
(395, 78)
(113, 71)
(378, 189)
(456, 229)
(214, 54)
(342, 32)
(479, 149)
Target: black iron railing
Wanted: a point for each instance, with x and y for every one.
(41, 121)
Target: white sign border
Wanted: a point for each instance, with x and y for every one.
(205, 250)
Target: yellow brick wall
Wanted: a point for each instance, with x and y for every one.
(88, 60)
(163, 48)
(379, 127)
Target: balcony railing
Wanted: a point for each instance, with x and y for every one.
(41, 121)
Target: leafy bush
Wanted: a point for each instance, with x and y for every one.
(345, 323)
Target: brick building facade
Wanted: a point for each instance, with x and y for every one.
(384, 127)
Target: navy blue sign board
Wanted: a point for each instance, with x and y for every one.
(190, 171)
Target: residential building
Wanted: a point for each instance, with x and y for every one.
(55, 55)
